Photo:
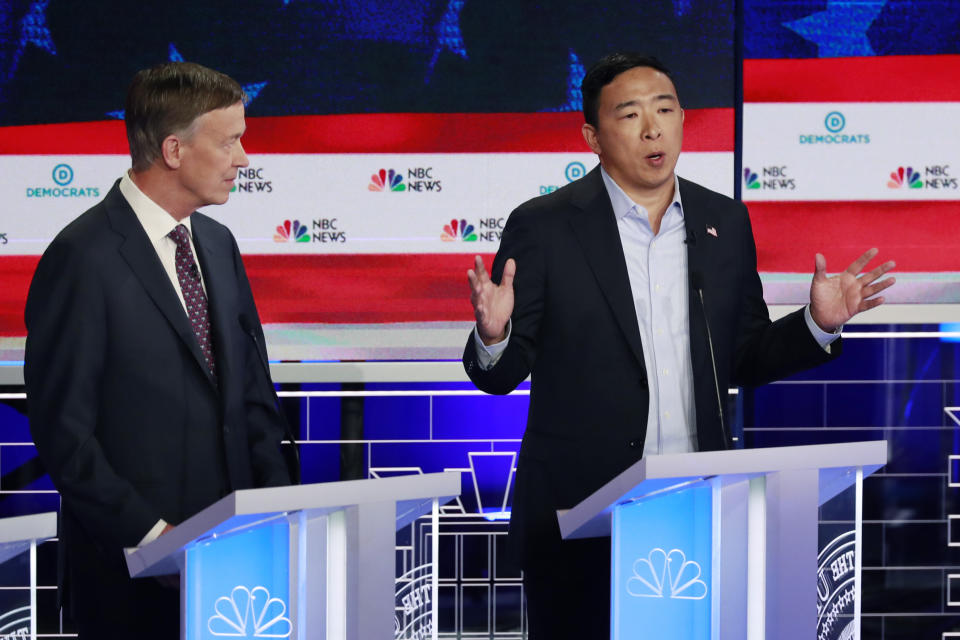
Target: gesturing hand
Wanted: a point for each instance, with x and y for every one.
(836, 299)
(492, 304)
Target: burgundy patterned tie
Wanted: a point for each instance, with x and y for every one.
(193, 294)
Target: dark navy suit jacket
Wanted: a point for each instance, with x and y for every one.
(126, 418)
(575, 332)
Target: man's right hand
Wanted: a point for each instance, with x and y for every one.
(492, 304)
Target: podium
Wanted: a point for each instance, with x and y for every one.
(305, 562)
(20, 536)
(723, 545)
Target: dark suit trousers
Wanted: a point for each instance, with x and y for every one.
(106, 604)
(568, 591)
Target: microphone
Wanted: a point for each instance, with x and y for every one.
(194, 272)
(293, 462)
(691, 238)
(696, 281)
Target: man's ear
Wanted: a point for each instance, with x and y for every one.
(171, 149)
(590, 135)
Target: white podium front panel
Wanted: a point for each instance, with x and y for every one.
(662, 578)
(240, 585)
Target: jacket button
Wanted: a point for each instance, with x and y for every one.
(634, 444)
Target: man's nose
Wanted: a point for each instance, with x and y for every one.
(651, 129)
(241, 160)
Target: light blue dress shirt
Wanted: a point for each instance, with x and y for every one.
(657, 268)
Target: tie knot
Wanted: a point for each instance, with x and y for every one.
(180, 235)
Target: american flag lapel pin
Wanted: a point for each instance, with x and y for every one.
(712, 231)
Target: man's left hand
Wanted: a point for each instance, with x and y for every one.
(836, 299)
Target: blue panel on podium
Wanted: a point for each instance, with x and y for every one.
(662, 561)
(240, 585)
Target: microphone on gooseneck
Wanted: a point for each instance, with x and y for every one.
(293, 462)
(691, 238)
(696, 281)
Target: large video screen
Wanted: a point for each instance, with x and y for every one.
(388, 141)
(851, 139)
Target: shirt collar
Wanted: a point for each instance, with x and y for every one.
(154, 219)
(622, 204)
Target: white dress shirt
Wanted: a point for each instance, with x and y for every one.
(158, 224)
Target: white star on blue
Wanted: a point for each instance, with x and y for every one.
(574, 80)
(252, 90)
(33, 31)
(841, 29)
(448, 35)
(174, 54)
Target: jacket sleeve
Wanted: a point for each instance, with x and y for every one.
(66, 323)
(765, 350)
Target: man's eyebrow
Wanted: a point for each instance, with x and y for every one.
(633, 103)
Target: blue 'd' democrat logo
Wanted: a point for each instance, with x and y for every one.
(834, 122)
(574, 171)
(62, 176)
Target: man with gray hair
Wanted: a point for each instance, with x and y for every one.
(147, 393)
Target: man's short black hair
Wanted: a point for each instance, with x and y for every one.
(605, 70)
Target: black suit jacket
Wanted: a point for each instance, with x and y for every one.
(575, 332)
(124, 414)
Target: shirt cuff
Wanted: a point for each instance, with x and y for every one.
(823, 338)
(487, 356)
(154, 533)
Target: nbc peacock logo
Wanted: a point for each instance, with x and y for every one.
(250, 613)
(291, 232)
(751, 179)
(905, 178)
(387, 180)
(458, 230)
(664, 574)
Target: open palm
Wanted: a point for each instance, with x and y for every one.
(492, 303)
(835, 299)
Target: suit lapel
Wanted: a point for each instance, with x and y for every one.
(217, 276)
(595, 228)
(696, 220)
(700, 256)
(140, 255)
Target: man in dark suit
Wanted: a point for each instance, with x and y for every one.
(617, 294)
(148, 399)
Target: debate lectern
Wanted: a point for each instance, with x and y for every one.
(307, 562)
(722, 545)
(19, 537)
